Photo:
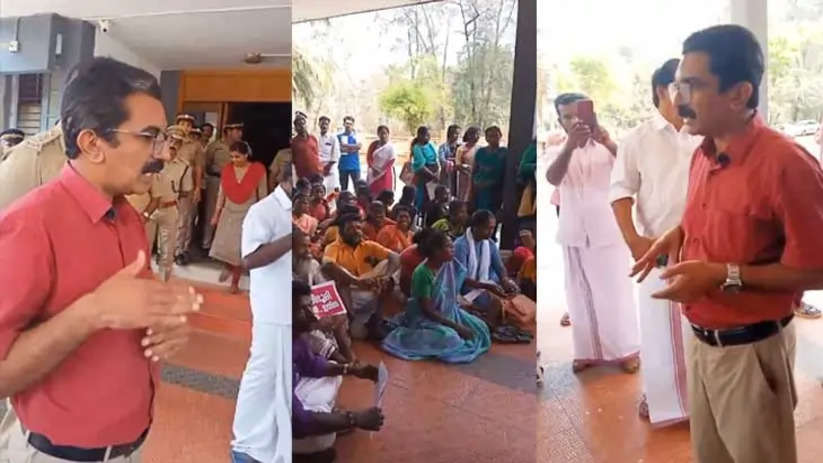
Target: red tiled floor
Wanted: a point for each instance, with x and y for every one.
(435, 413)
(592, 417)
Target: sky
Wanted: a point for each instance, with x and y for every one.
(653, 29)
(360, 43)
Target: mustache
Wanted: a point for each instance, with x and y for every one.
(685, 111)
(153, 167)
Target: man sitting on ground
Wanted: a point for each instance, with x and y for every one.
(316, 381)
(363, 269)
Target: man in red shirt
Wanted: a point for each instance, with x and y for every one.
(81, 320)
(747, 244)
(305, 151)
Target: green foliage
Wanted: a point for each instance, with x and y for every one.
(408, 101)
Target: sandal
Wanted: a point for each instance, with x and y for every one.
(580, 365)
(643, 408)
(804, 310)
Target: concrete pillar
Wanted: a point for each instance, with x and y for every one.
(753, 15)
(521, 122)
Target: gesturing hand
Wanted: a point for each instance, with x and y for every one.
(127, 301)
(667, 245)
(691, 280)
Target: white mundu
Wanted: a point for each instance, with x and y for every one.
(600, 301)
(652, 168)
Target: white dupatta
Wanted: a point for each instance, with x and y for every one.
(382, 158)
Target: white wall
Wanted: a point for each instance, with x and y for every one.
(106, 45)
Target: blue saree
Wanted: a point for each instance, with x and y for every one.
(418, 337)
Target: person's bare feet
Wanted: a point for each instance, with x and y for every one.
(234, 289)
(631, 365)
(580, 365)
(643, 408)
(565, 320)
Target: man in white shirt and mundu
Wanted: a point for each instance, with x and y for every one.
(600, 300)
(651, 173)
(329, 155)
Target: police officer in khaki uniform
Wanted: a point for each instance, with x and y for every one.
(10, 138)
(218, 156)
(35, 161)
(193, 155)
(146, 204)
(171, 185)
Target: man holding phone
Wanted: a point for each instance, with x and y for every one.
(600, 302)
(651, 174)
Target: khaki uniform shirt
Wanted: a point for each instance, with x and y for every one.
(172, 180)
(34, 162)
(218, 156)
(193, 153)
(281, 159)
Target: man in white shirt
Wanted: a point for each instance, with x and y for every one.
(600, 301)
(262, 421)
(652, 174)
(329, 155)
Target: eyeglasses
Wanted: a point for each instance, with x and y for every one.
(684, 89)
(158, 140)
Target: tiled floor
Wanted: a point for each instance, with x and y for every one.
(592, 417)
(483, 412)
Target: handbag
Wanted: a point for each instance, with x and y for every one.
(528, 205)
(407, 173)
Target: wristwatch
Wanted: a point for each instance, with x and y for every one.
(733, 282)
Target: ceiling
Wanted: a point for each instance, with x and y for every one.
(183, 34)
(309, 10)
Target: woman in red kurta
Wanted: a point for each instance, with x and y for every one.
(242, 183)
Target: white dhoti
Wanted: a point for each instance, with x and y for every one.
(317, 395)
(600, 299)
(332, 180)
(663, 329)
(262, 421)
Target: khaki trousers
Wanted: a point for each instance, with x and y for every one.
(185, 223)
(14, 447)
(167, 237)
(742, 400)
(212, 192)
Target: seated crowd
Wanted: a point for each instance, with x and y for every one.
(422, 279)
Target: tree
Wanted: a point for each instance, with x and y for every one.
(407, 101)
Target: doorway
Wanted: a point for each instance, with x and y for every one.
(267, 127)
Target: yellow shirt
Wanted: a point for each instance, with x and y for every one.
(355, 260)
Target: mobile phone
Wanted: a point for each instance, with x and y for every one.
(585, 112)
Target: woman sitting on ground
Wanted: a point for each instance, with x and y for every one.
(397, 236)
(434, 325)
(455, 224)
(301, 217)
(410, 258)
(319, 205)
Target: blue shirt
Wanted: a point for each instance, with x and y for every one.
(305, 364)
(349, 161)
(461, 254)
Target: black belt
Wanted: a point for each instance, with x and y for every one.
(212, 175)
(43, 444)
(742, 335)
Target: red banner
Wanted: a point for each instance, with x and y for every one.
(326, 301)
